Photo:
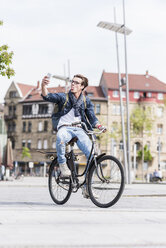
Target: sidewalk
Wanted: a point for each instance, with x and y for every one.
(131, 190)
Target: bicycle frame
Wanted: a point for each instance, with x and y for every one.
(93, 159)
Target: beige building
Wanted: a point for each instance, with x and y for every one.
(28, 120)
(145, 91)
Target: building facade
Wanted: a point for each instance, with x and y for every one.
(147, 92)
(29, 124)
(28, 121)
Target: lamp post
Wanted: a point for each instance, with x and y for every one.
(159, 151)
(120, 28)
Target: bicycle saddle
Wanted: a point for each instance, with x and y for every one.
(72, 141)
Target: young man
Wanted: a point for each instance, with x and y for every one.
(75, 110)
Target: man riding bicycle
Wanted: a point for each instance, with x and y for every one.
(71, 108)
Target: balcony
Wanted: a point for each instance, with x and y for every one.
(146, 99)
(10, 117)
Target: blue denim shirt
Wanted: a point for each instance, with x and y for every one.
(87, 115)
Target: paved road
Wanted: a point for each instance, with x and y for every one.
(29, 218)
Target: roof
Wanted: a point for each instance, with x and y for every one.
(136, 82)
(35, 94)
(25, 88)
(96, 90)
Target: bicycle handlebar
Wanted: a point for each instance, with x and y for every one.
(86, 129)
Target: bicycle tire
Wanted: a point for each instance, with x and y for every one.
(112, 190)
(58, 189)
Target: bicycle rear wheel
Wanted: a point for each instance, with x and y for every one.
(106, 182)
(60, 188)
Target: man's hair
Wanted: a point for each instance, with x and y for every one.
(84, 80)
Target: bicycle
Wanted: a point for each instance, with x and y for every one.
(104, 175)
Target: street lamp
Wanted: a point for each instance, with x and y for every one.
(122, 29)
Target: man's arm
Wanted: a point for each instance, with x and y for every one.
(92, 117)
(44, 85)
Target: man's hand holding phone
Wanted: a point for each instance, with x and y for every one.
(45, 82)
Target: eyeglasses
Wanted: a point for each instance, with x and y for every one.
(74, 82)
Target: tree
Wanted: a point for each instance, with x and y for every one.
(141, 122)
(147, 154)
(26, 152)
(5, 60)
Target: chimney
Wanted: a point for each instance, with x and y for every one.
(147, 74)
(38, 85)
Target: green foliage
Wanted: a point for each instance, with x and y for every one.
(147, 154)
(116, 130)
(5, 60)
(141, 120)
(26, 152)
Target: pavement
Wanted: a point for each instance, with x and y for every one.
(29, 218)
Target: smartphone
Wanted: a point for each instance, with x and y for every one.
(49, 75)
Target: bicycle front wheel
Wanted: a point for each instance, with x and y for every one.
(106, 182)
(60, 188)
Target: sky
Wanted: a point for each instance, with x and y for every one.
(48, 35)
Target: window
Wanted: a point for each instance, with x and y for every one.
(159, 129)
(148, 144)
(115, 93)
(13, 144)
(45, 146)
(29, 127)
(11, 127)
(136, 95)
(90, 94)
(123, 94)
(121, 145)
(159, 146)
(39, 144)
(116, 109)
(98, 106)
(40, 126)
(138, 146)
(29, 144)
(160, 96)
(24, 127)
(160, 111)
(13, 94)
(12, 110)
(53, 144)
(45, 126)
(27, 109)
(149, 94)
(43, 109)
(23, 143)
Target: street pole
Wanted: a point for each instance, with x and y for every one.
(159, 150)
(121, 105)
(127, 99)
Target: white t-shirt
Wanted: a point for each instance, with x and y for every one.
(68, 118)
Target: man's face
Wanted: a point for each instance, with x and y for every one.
(76, 86)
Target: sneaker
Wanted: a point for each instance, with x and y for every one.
(65, 172)
(85, 193)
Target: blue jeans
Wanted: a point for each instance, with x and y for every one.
(65, 134)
